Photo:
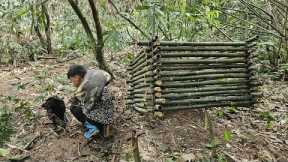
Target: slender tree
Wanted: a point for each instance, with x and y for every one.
(98, 44)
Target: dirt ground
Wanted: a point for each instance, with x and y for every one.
(255, 134)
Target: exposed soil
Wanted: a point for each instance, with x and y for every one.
(176, 135)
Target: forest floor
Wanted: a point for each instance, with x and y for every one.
(241, 134)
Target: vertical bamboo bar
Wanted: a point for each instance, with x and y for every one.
(249, 71)
(155, 71)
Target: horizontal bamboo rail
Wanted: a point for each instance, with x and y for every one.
(209, 105)
(179, 55)
(210, 61)
(168, 43)
(200, 94)
(204, 89)
(204, 100)
(188, 48)
(210, 76)
(210, 82)
(199, 67)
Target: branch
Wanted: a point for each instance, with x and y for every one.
(278, 36)
(223, 33)
(127, 19)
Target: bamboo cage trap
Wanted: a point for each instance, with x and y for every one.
(188, 75)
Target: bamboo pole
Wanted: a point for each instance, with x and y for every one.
(211, 76)
(205, 100)
(144, 105)
(168, 43)
(142, 76)
(189, 48)
(204, 61)
(147, 80)
(135, 69)
(135, 148)
(205, 89)
(199, 67)
(208, 105)
(142, 110)
(137, 58)
(201, 54)
(203, 72)
(210, 82)
(139, 86)
(140, 62)
(201, 94)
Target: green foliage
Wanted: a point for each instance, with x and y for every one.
(267, 116)
(25, 108)
(6, 127)
(232, 109)
(220, 113)
(3, 152)
(227, 135)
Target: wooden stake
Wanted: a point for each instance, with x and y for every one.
(134, 140)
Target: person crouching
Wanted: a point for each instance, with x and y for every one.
(92, 103)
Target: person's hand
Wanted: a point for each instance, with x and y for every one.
(74, 101)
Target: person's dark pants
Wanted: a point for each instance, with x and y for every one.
(80, 116)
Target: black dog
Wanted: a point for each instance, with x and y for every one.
(56, 108)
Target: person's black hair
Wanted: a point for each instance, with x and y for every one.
(76, 70)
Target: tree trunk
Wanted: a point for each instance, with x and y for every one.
(98, 47)
(47, 28)
(100, 42)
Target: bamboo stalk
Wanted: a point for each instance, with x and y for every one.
(179, 73)
(144, 75)
(201, 94)
(147, 96)
(210, 82)
(137, 58)
(140, 62)
(138, 86)
(205, 89)
(168, 43)
(208, 105)
(145, 90)
(205, 100)
(135, 69)
(142, 100)
(188, 48)
(147, 80)
(199, 67)
(204, 61)
(173, 55)
(144, 105)
(211, 76)
(143, 70)
(142, 110)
